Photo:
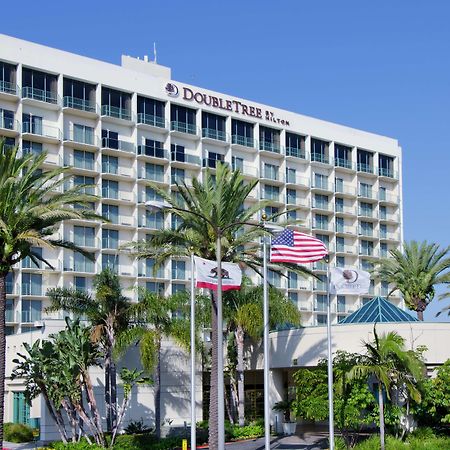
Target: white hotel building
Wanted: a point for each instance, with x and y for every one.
(119, 127)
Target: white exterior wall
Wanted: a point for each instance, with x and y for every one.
(147, 79)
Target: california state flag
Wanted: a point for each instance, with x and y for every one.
(206, 275)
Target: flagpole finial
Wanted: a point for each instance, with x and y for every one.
(263, 217)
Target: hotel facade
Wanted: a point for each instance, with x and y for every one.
(120, 127)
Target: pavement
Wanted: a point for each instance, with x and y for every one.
(305, 441)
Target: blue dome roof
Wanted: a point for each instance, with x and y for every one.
(379, 310)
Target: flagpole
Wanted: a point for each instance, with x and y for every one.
(193, 404)
(330, 363)
(220, 383)
(266, 349)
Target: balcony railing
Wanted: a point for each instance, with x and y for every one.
(117, 144)
(8, 87)
(319, 157)
(367, 213)
(366, 193)
(389, 173)
(342, 162)
(321, 225)
(150, 119)
(340, 188)
(116, 112)
(185, 158)
(151, 175)
(150, 150)
(40, 95)
(242, 140)
(342, 248)
(271, 175)
(214, 134)
(213, 163)
(183, 127)
(323, 185)
(79, 103)
(362, 167)
(322, 205)
(366, 232)
(82, 136)
(296, 152)
(269, 147)
(41, 130)
(31, 316)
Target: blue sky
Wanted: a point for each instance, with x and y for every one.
(380, 66)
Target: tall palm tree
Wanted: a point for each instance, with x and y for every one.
(243, 311)
(31, 209)
(210, 210)
(392, 365)
(156, 317)
(108, 312)
(416, 272)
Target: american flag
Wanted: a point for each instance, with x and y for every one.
(295, 247)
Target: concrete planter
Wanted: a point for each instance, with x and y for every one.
(289, 428)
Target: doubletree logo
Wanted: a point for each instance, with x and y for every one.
(172, 90)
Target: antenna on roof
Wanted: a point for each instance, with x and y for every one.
(154, 52)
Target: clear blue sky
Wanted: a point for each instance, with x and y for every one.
(380, 66)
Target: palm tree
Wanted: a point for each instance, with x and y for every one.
(156, 317)
(416, 272)
(108, 312)
(392, 365)
(31, 209)
(243, 313)
(211, 210)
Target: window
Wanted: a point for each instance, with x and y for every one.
(384, 288)
(365, 161)
(320, 201)
(31, 284)
(366, 265)
(27, 262)
(116, 103)
(339, 224)
(366, 248)
(83, 134)
(80, 284)
(291, 196)
(321, 221)
(240, 129)
(237, 163)
(110, 239)
(154, 172)
(366, 228)
(269, 139)
(154, 220)
(320, 181)
(110, 164)
(178, 270)
(82, 180)
(10, 283)
(6, 119)
(212, 159)
(8, 78)
(321, 302)
(32, 124)
(382, 193)
(110, 212)
(292, 280)
(82, 263)
(341, 303)
(110, 262)
(213, 126)
(383, 231)
(319, 151)
(270, 211)
(383, 250)
(321, 283)
(84, 236)
(150, 109)
(151, 194)
(39, 85)
(21, 408)
(271, 171)
(31, 147)
(183, 119)
(321, 319)
(340, 261)
(9, 311)
(365, 209)
(339, 204)
(152, 148)
(293, 297)
(365, 190)
(271, 192)
(84, 160)
(79, 95)
(324, 238)
(291, 175)
(295, 145)
(340, 244)
(274, 278)
(178, 287)
(383, 212)
(386, 165)
(147, 269)
(339, 184)
(177, 175)
(110, 189)
(31, 311)
(291, 214)
(156, 287)
(175, 221)
(342, 155)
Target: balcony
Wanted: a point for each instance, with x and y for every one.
(367, 193)
(346, 249)
(118, 145)
(342, 229)
(366, 232)
(385, 217)
(246, 170)
(152, 152)
(80, 163)
(8, 88)
(320, 265)
(83, 139)
(270, 147)
(366, 168)
(9, 126)
(388, 198)
(324, 206)
(212, 163)
(297, 201)
(116, 113)
(387, 173)
(242, 141)
(344, 163)
(344, 190)
(368, 251)
(320, 158)
(184, 128)
(157, 123)
(47, 97)
(156, 223)
(31, 316)
(80, 105)
(323, 226)
(271, 175)
(151, 175)
(41, 133)
(390, 237)
(81, 267)
(295, 152)
(322, 186)
(297, 181)
(215, 135)
(344, 210)
(185, 159)
(367, 213)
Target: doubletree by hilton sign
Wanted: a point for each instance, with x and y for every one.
(220, 103)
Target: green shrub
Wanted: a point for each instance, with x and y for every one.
(248, 431)
(423, 433)
(137, 427)
(436, 443)
(17, 432)
(339, 443)
(145, 442)
(82, 445)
